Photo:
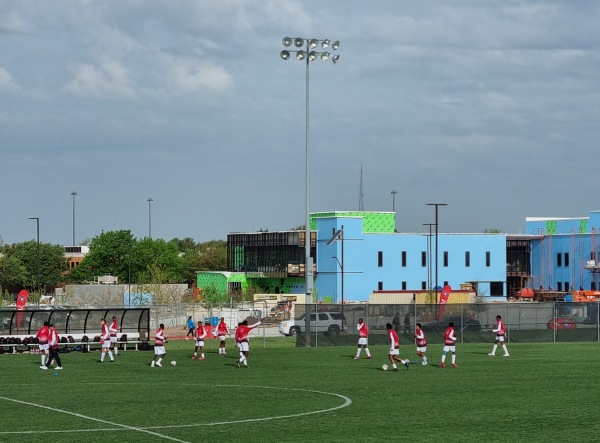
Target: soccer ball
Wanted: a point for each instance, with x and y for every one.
(384, 367)
(173, 363)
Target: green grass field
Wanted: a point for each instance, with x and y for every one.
(541, 393)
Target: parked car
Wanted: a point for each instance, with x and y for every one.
(328, 322)
(460, 324)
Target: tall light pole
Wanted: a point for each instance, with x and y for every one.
(394, 200)
(73, 194)
(37, 220)
(310, 54)
(150, 217)
(429, 255)
(437, 205)
(339, 236)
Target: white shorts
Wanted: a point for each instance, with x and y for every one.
(200, 343)
(113, 339)
(244, 346)
(500, 338)
(362, 341)
(44, 347)
(394, 351)
(159, 350)
(422, 349)
(106, 344)
(449, 348)
(221, 338)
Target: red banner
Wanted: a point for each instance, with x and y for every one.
(446, 290)
(21, 302)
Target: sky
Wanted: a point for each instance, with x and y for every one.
(492, 107)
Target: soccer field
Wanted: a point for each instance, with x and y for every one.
(541, 393)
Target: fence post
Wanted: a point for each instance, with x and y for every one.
(554, 320)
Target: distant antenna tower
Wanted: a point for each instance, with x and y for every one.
(361, 205)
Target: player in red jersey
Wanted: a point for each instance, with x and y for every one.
(421, 343)
(449, 345)
(159, 346)
(363, 337)
(105, 342)
(394, 348)
(199, 336)
(54, 343)
(500, 333)
(221, 332)
(43, 334)
(242, 333)
(113, 329)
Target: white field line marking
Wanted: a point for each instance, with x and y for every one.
(347, 402)
(118, 425)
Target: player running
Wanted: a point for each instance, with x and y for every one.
(221, 332)
(113, 329)
(449, 345)
(199, 336)
(421, 343)
(500, 333)
(363, 337)
(54, 344)
(159, 346)
(394, 348)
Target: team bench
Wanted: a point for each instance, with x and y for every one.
(20, 343)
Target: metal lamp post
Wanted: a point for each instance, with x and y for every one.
(429, 255)
(73, 194)
(394, 192)
(309, 54)
(37, 221)
(437, 205)
(150, 217)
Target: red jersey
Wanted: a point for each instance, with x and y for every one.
(222, 329)
(394, 340)
(104, 334)
(420, 336)
(242, 332)
(159, 338)
(449, 337)
(200, 333)
(363, 331)
(54, 339)
(43, 334)
(500, 331)
(113, 329)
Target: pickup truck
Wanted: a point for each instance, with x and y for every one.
(328, 322)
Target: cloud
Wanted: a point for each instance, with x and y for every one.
(7, 83)
(194, 76)
(106, 79)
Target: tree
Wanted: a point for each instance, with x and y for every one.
(52, 264)
(12, 272)
(492, 231)
(209, 256)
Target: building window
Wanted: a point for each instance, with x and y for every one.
(488, 258)
(423, 259)
(445, 283)
(380, 259)
(423, 285)
(467, 259)
(380, 285)
(559, 260)
(566, 286)
(566, 259)
(593, 286)
(404, 259)
(559, 286)
(496, 288)
(404, 286)
(445, 259)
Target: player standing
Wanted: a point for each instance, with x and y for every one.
(449, 345)
(199, 335)
(54, 343)
(363, 337)
(421, 343)
(221, 332)
(500, 333)
(42, 335)
(113, 329)
(105, 342)
(242, 333)
(394, 348)
(159, 346)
